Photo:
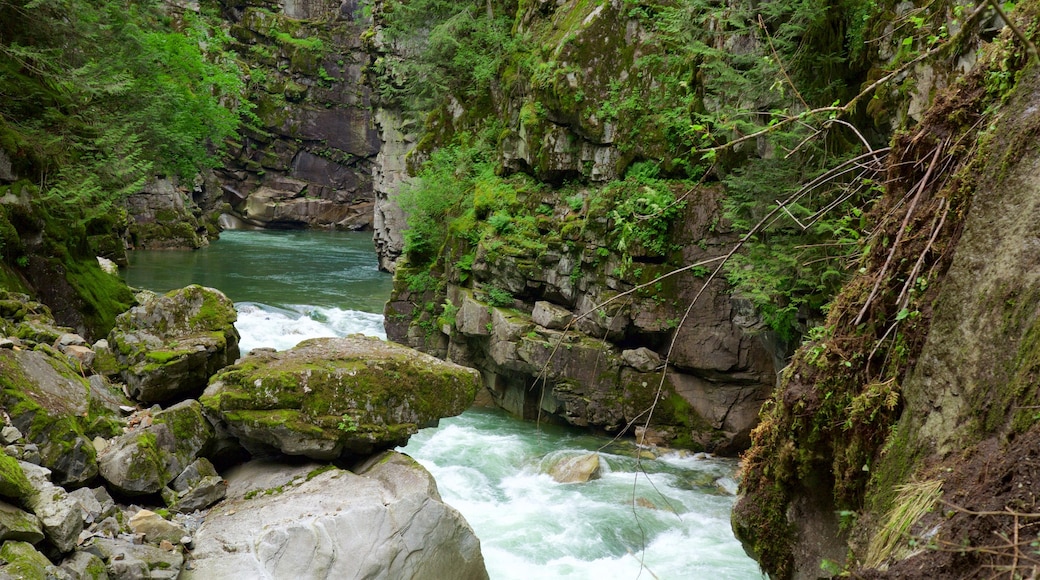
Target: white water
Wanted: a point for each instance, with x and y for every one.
(261, 325)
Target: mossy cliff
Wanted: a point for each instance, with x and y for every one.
(577, 171)
(902, 434)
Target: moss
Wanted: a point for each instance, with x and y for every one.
(104, 296)
(24, 562)
(13, 482)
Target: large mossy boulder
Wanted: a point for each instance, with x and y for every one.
(169, 346)
(312, 521)
(332, 397)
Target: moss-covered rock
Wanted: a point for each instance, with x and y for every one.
(50, 404)
(13, 483)
(339, 396)
(24, 562)
(170, 345)
(18, 525)
(145, 460)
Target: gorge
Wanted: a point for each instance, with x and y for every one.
(802, 233)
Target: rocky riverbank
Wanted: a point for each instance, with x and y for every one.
(113, 468)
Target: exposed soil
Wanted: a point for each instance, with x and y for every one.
(988, 522)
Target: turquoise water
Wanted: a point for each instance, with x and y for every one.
(666, 518)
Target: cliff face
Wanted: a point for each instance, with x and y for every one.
(558, 285)
(901, 443)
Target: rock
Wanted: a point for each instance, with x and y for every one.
(18, 525)
(81, 354)
(473, 318)
(108, 266)
(332, 397)
(155, 528)
(60, 514)
(197, 487)
(69, 339)
(126, 560)
(170, 345)
(576, 469)
(84, 566)
(88, 503)
(551, 316)
(208, 491)
(642, 359)
(321, 522)
(49, 402)
(23, 562)
(13, 481)
(147, 458)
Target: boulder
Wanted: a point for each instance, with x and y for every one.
(197, 487)
(84, 566)
(576, 468)
(18, 525)
(149, 457)
(333, 397)
(316, 521)
(156, 529)
(60, 514)
(551, 316)
(13, 482)
(169, 346)
(50, 403)
(22, 561)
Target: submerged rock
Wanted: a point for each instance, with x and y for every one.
(332, 397)
(169, 346)
(316, 522)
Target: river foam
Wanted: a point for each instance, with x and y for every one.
(262, 325)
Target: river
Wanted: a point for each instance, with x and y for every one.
(663, 518)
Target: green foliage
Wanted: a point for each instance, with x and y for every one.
(462, 47)
(499, 297)
(98, 97)
(642, 212)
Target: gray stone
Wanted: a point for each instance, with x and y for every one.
(551, 316)
(88, 503)
(170, 345)
(146, 459)
(206, 492)
(84, 566)
(332, 397)
(48, 408)
(642, 359)
(126, 560)
(18, 525)
(193, 474)
(386, 523)
(60, 514)
(472, 318)
(10, 434)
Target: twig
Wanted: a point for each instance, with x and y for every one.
(779, 63)
(921, 186)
